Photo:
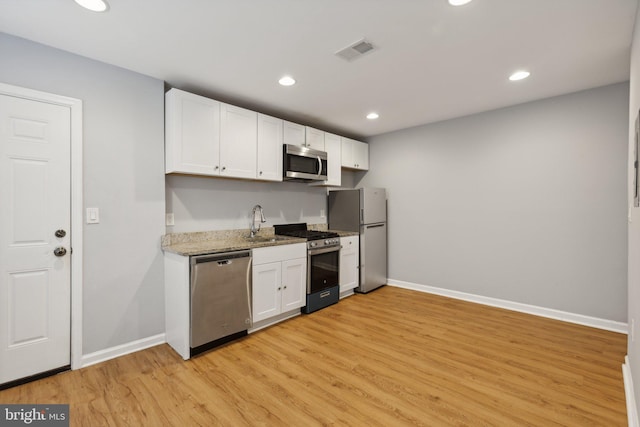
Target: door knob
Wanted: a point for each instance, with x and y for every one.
(61, 233)
(59, 251)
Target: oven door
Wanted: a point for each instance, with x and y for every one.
(323, 268)
(302, 163)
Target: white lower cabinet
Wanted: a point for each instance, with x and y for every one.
(349, 263)
(279, 280)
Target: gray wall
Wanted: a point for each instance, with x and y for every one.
(123, 176)
(525, 204)
(634, 224)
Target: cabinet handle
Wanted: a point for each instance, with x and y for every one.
(216, 168)
(224, 168)
(279, 288)
(285, 287)
(260, 172)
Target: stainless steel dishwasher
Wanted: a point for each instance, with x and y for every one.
(220, 299)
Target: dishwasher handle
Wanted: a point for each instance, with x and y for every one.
(222, 259)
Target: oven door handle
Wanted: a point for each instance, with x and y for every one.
(319, 251)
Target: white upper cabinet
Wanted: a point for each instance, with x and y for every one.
(206, 137)
(314, 139)
(294, 134)
(238, 142)
(332, 145)
(355, 154)
(192, 132)
(270, 142)
(304, 136)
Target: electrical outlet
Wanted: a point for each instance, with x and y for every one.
(169, 220)
(322, 213)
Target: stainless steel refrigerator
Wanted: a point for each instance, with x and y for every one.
(364, 210)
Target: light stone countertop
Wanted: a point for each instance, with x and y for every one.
(209, 242)
(218, 241)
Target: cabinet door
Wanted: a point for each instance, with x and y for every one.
(314, 138)
(334, 159)
(347, 160)
(294, 279)
(355, 154)
(361, 155)
(294, 133)
(349, 255)
(238, 142)
(266, 295)
(192, 133)
(269, 148)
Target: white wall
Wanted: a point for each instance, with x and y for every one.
(633, 351)
(123, 176)
(201, 204)
(525, 204)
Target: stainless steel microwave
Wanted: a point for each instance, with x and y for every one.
(304, 164)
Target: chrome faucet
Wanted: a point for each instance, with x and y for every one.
(255, 228)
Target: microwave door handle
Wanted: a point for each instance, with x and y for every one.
(319, 166)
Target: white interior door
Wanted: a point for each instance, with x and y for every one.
(35, 263)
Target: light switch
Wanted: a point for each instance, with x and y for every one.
(93, 216)
(169, 220)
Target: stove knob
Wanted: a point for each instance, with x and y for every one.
(313, 244)
(326, 242)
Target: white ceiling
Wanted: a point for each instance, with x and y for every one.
(433, 61)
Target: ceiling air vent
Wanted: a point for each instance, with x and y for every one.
(355, 50)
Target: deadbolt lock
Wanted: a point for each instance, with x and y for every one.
(61, 233)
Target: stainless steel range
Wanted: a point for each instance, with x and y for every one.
(323, 264)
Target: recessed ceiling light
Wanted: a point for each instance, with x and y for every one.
(287, 81)
(519, 75)
(94, 5)
(372, 116)
(458, 2)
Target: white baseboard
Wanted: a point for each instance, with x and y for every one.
(273, 320)
(632, 410)
(121, 350)
(579, 319)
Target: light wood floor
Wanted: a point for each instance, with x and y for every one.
(390, 358)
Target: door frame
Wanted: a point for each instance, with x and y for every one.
(75, 106)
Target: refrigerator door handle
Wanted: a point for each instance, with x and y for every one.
(361, 215)
(374, 226)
